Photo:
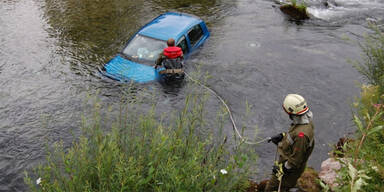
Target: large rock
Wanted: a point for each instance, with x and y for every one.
(294, 11)
(328, 172)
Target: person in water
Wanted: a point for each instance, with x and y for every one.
(171, 58)
(295, 146)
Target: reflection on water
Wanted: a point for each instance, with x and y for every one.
(89, 31)
(172, 87)
(93, 31)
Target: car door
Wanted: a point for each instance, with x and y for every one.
(182, 43)
(195, 35)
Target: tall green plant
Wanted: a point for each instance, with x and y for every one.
(142, 153)
(372, 66)
(363, 164)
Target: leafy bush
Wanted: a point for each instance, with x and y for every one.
(363, 164)
(141, 153)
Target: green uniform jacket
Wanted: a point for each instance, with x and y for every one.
(294, 150)
(297, 145)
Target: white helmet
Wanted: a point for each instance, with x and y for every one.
(295, 104)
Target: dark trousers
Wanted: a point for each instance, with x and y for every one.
(289, 180)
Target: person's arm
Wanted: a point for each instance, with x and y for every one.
(159, 60)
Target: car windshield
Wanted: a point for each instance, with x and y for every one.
(144, 48)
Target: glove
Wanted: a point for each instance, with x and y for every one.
(276, 139)
(275, 169)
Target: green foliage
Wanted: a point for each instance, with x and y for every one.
(363, 164)
(355, 179)
(301, 7)
(141, 153)
(325, 187)
(372, 67)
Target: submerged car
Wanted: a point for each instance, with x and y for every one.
(135, 62)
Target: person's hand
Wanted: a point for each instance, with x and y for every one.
(276, 139)
(275, 169)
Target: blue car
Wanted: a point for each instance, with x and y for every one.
(135, 62)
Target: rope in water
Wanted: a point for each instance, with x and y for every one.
(243, 139)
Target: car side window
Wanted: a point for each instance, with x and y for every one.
(195, 34)
(183, 44)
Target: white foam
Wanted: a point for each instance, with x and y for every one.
(348, 3)
(344, 8)
(326, 14)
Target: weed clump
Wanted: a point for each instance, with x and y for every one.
(141, 153)
(372, 67)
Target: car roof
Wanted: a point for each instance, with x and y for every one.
(169, 25)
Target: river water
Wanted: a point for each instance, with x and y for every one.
(50, 51)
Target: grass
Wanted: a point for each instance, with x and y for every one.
(372, 66)
(301, 7)
(363, 164)
(142, 153)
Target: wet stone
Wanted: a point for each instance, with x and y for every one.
(328, 171)
(295, 12)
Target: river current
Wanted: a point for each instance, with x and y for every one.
(50, 51)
